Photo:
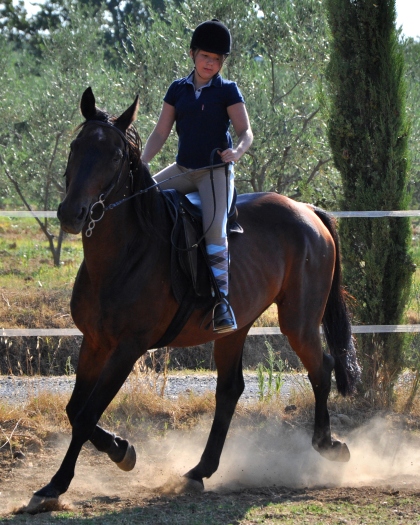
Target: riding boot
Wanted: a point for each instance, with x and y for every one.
(223, 316)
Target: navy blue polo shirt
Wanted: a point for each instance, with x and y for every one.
(202, 123)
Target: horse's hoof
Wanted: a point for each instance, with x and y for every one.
(129, 460)
(192, 485)
(337, 451)
(38, 504)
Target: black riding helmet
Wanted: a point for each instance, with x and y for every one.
(212, 36)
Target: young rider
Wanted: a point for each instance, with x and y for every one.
(203, 105)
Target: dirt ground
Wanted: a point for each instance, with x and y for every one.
(260, 468)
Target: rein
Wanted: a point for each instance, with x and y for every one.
(126, 156)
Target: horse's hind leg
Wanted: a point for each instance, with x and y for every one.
(304, 337)
(230, 385)
(89, 368)
(322, 441)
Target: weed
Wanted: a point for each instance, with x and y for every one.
(69, 369)
(270, 378)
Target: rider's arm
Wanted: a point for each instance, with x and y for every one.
(240, 121)
(161, 132)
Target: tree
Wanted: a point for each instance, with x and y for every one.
(368, 133)
(34, 138)
(277, 59)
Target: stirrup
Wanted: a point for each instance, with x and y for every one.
(223, 317)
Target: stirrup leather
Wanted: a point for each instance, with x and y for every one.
(223, 317)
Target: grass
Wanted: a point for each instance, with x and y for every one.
(140, 404)
(250, 509)
(25, 254)
(33, 292)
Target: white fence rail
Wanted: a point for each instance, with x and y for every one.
(356, 329)
(266, 330)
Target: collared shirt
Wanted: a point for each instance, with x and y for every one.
(202, 120)
(190, 80)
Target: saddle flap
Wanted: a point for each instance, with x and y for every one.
(190, 241)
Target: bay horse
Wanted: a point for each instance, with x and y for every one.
(123, 301)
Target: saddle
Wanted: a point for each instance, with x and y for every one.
(192, 278)
(190, 267)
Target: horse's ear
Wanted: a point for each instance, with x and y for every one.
(128, 117)
(88, 105)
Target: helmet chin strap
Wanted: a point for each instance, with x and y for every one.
(198, 74)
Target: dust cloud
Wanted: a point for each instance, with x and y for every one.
(281, 455)
(271, 454)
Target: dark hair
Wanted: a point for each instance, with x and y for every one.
(212, 36)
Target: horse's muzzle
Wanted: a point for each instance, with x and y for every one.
(71, 219)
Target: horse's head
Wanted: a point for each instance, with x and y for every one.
(97, 164)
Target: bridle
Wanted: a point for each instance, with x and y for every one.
(116, 179)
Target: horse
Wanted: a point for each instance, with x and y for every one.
(123, 301)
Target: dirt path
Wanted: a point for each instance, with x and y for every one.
(266, 468)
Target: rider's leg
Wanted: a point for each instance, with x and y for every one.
(215, 228)
(182, 183)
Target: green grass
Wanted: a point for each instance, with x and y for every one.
(244, 509)
(26, 257)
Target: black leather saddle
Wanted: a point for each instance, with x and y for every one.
(192, 279)
(189, 263)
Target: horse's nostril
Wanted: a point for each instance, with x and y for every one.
(82, 214)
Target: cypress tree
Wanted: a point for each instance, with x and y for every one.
(368, 134)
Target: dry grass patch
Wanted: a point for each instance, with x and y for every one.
(138, 405)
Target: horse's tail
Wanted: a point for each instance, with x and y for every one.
(336, 321)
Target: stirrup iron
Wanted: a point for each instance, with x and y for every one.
(223, 317)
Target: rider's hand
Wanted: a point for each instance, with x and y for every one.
(229, 155)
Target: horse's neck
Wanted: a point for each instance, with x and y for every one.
(118, 235)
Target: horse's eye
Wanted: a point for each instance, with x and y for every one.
(117, 157)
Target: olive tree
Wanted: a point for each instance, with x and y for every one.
(277, 59)
(34, 138)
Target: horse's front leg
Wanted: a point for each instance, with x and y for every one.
(84, 424)
(88, 371)
(230, 385)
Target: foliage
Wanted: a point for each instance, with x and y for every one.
(412, 76)
(368, 133)
(277, 59)
(269, 376)
(140, 47)
(36, 130)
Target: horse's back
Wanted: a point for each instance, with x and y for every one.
(271, 214)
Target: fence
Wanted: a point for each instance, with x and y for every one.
(356, 329)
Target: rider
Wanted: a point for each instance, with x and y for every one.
(203, 105)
